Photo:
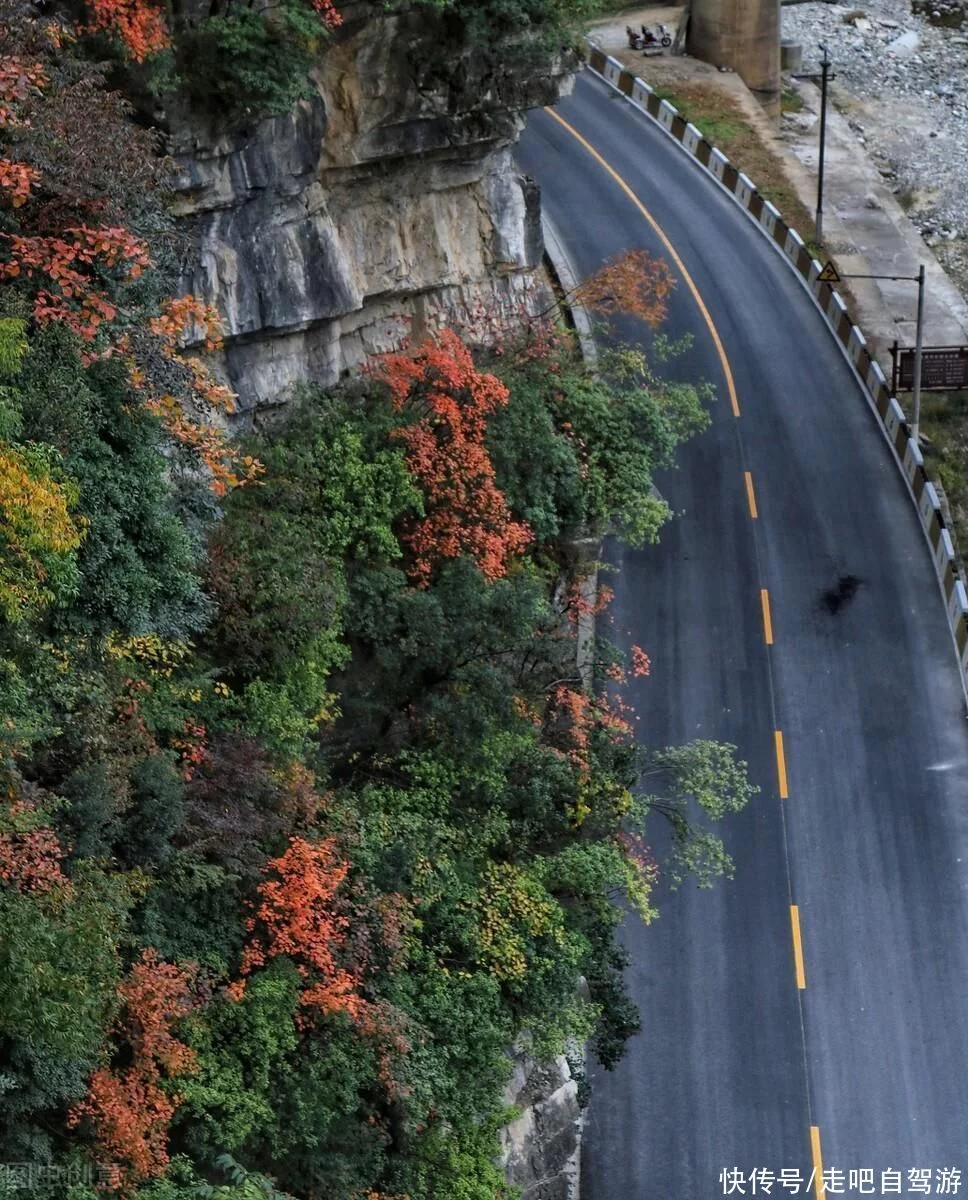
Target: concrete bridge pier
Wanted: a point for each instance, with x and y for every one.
(743, 35)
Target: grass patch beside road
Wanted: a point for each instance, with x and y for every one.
(721, 121)
(697, 103)
(944, 422)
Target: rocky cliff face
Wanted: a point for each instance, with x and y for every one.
(541, 1150)
(388, 199)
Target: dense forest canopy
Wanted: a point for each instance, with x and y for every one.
(308, 814)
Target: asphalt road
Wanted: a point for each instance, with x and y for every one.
(735, 1062)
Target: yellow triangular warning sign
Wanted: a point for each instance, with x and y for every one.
(829, 274)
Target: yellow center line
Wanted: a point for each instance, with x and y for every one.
(798, 951)
(817, 1163)
(767, 622)
(781, 764)
(750, 497)
(751, 500)
(670, 250)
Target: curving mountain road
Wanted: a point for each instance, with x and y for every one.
(737, 1064)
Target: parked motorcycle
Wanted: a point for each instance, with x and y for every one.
(648, 39)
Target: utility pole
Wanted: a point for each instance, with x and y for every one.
(825, 75)
(824, 72)
(918, 341)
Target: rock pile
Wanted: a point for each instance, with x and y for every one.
(904, 74)
(947, 13)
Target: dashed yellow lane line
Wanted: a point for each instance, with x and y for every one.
(751, 501)
(750, 495)
(797, 947)
(818, 1187)
(669, 249)
(767, 622)
(780, 764)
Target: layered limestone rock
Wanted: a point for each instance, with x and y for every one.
(386, 201)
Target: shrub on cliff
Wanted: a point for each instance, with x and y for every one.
(238, 66)
(549, 24)
(578, 454)
(228, 61)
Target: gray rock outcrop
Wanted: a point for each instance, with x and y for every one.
(541, 1149)
(386, 202)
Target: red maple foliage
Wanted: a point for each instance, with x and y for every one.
(178, 318)
(306, 914)
(191, 747)
(573, 717)
(129, 1109)
(327, 13)
(74, 259)
(70, 267)
(465, 511)
(298, 917)
(73, 264)
(141, 27)
(18, 80)
(17, 179)
(30, 856)
(641, 663)
(578, 604)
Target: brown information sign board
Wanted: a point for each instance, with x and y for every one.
(943, 369)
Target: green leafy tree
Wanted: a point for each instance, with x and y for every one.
(138, 562)
(59, 971)
(279, 561)
(237, 65)
(701, 779)
(577, 454)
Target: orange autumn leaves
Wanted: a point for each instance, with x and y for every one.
(17, 80)
(227, 469)
(30, 853)
(465, 512)
(68, 264)
(450, 401)
(75, 272)
(141, 27)
(633, 283)
(296, 917)
(130, 1108)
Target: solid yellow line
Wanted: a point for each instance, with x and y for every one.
(797, 947)
(670, 250)
(767, 623)
(781, 764)
(817, 1163)
(750, 497)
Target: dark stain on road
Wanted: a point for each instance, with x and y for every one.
(841, 594)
